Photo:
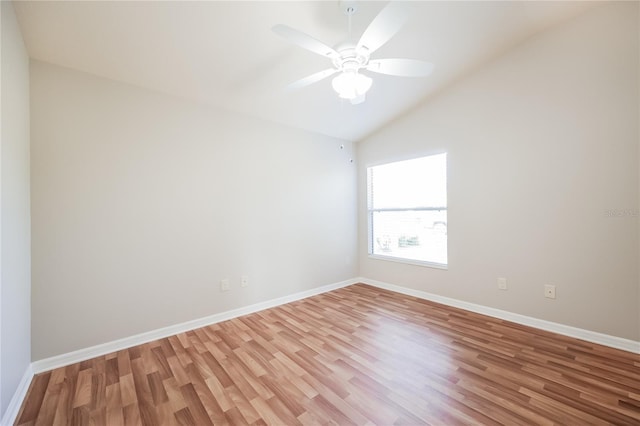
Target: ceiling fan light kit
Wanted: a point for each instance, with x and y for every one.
(352, 86)
(350, 59)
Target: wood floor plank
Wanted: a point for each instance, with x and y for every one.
(184, 417)
(357, 355)
(47, 412)
(35, 397)
(195, 406)
(243, 405)
(267, 414)
(131, 414)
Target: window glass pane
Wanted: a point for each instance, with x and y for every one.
(408, 184)
(413, 235)
(407, 203)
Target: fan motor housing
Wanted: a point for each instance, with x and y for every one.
(350, 57)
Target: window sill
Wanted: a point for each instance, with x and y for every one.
(410, 261)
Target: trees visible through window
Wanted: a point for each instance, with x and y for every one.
(407, 206)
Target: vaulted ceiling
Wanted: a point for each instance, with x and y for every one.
(224, 53)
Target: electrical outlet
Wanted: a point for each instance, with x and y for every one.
(224, 285)
(244, 281)
(502, 283)
(550, 291)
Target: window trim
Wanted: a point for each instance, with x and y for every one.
(422, 263)
(371, 211)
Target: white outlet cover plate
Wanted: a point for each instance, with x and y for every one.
(224, 285)
(502, 283)
(550, 291)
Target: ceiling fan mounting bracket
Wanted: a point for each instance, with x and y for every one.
(348, 7)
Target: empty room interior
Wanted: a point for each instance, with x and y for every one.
(320, 212)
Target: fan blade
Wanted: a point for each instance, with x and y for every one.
(384, 26)
(401, 67)
(313, 78)
(305, 41)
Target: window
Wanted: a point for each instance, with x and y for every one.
(407, 207)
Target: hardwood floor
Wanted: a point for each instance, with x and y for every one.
(358, 355)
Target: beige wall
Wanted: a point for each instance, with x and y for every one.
(15, 239)
(541, 143)
(142, 203)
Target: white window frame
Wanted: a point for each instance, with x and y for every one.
(371, 211)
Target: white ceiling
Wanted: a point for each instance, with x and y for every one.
(224, 53)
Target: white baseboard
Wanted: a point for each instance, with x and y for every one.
(105, 348)
(578, 333)
(16, 401)
(116, 345)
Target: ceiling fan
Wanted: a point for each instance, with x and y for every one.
(350, 58)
